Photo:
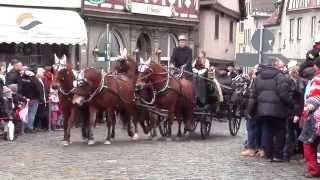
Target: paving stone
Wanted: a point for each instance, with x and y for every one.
(41, 156)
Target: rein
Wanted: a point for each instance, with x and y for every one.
(155, 92)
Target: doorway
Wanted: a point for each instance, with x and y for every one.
(144, 46)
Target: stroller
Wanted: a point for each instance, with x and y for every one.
(10, 121)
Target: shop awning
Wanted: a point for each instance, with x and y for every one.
(44, 26)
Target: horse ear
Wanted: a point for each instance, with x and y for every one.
(56, 60)
(124, 53)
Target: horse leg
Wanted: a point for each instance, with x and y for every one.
(93, 115)
(153, 125)
(170, 122)
(179, 129)
(110, 122)
(135, 124)
(113, 133)
(85, 115)
(128, 120)
(66, 114)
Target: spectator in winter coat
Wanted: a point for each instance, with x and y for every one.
(42, 115)
(253, 146)
(13, 76)
(292, 124)
(271, 91)
(30, 88)
(308, 134)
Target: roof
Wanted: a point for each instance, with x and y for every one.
(275, 18)
(262, 5)
(217, 6)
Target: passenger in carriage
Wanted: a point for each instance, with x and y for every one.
(200, 67)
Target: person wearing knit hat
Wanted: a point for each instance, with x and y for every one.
(307, 135)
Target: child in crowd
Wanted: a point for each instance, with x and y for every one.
(54, 99)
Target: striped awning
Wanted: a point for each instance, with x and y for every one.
(44, 26)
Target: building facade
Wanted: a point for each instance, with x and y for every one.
(299, 27)
(139, 26)
(217, 30)
(257, 12)
(33, 31)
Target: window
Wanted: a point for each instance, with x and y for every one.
(291, 29)
(299, 28)
(167, 43)
(216, 28)
(241, 26)
(313, 26)
(114, 44)
(231, 32)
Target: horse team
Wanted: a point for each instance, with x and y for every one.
(119, 92)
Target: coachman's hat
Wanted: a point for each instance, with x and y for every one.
(182, 37)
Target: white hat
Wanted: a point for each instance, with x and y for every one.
(292, 64)
(182, 37)
(317, 38)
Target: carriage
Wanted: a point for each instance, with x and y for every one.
(96, 87)
(230, 106)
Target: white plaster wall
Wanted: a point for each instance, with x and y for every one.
(231, 4)
(220, 48)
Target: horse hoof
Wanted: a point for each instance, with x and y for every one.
(65, 143)
(91, 142)
(135, 136)
(107, 142)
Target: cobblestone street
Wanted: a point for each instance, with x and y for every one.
(40, 156)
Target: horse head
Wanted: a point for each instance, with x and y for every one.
(153, 75)
(63, 77)
(88, 84)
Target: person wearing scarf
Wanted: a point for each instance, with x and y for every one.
(310, 117)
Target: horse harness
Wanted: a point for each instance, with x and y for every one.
(103, 86)
(165, 89)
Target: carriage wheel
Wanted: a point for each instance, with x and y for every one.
(194, 125)
(163, 126)
(205, 126)
(234, 121)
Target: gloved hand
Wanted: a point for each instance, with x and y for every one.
(296, 119)
(309, 107)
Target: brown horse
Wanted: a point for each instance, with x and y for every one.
(174, 95)
(129, 67)
(63, 80)
(108, 93)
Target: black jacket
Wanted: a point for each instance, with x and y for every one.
(12, 77)
(30, 87)
(298, 88)
(272, 93)
(181, 56)
(44, 92)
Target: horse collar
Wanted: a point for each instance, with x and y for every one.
(66, 93)
(99, 88)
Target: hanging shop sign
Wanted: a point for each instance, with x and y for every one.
(149, 9)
